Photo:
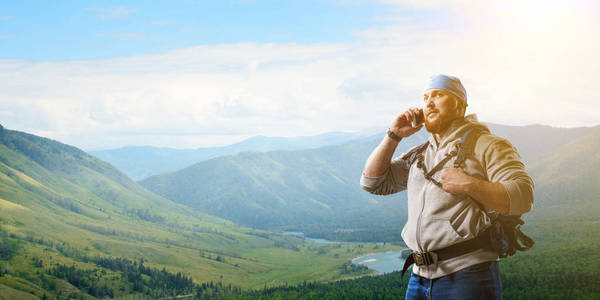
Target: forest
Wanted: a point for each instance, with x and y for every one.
(560, 272)
(563, 264)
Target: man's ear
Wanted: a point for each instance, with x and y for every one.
(461, 107)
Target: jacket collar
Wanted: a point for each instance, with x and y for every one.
(456, 130)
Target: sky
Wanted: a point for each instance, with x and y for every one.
(189, 74)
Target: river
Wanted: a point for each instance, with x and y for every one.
(383, 262)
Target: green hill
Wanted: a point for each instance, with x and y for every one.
(536, 141)
(567, 184)
(140, 162)
(71, 224)
(316, 191)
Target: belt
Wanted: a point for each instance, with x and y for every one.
(432, 257)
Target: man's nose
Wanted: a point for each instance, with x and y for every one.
(429, 103)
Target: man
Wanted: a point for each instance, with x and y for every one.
(450, 209)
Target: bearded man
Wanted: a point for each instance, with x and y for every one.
(450, 206)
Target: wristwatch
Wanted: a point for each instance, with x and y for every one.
(393, 136)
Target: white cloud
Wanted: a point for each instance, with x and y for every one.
(130, 36)
(113, 13)
(518, 68)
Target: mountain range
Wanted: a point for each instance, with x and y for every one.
(72, 225)
(139, 162)
(317, 191)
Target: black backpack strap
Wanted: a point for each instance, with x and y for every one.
(463, 149)
(521, 241)
(466, 146)
(411, 156)
(524, 242)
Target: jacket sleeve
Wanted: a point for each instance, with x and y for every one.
(394, 180)
(503, 165)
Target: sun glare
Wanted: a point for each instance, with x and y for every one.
(535, 14)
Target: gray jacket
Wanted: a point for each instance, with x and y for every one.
(437, 219)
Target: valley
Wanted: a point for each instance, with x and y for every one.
(62, 207)
(72, 225)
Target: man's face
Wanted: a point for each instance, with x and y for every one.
(439, 109)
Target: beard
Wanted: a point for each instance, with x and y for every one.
(433, 126)
(439, 124)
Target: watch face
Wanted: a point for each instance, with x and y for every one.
(393, 136)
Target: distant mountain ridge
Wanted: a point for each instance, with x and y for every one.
(282, 189)
(318, 188)
(140, 162)
(535, 141)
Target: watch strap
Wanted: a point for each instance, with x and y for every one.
(393, 136)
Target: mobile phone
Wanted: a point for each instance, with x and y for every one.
(420, 118)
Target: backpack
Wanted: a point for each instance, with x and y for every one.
(505, 235)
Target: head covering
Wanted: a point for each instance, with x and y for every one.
(448, 83)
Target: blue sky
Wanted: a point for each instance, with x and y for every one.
(62, 30)
(188, 74)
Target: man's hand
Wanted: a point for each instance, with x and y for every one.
(490, 194)
(379, 161)
(455, 181)
(402, 124)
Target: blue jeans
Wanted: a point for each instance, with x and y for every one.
(481, 281)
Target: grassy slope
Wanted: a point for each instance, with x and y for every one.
(567, 181)
(71, 198)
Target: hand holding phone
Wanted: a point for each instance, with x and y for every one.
(408, 122)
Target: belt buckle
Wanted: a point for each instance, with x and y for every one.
(425, 258)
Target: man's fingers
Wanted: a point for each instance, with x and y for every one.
(451, 173)
(405, 116)
(403, 121)
(401, 116)
(409, 115)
